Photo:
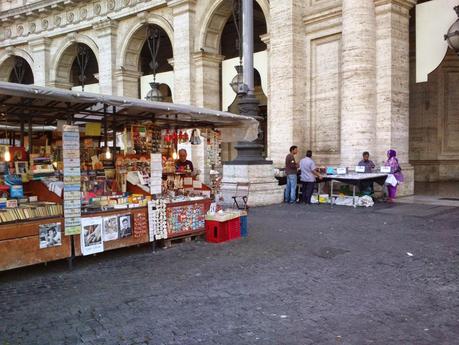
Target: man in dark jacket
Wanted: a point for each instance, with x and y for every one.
(291, 170)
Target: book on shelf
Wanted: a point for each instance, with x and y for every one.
(33, 210)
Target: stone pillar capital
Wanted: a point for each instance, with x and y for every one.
(39, 44)
(127, 74)
(266, 39)
(106, 27)
(406, 4)
(203, 57)
(182, 6)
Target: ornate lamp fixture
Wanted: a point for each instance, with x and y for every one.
(154, 40)
(19, 69)
(82, 61)
(452, 37)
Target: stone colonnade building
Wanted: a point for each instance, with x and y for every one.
(333, 75)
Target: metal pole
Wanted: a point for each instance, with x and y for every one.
(21, 136)
(247, 34)
(105, 127)
(30, 134)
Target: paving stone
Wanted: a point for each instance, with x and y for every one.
(305, 275)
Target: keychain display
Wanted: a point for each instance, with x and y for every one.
(157, 219)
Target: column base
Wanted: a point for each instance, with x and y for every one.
(407, 187)
(264, 188)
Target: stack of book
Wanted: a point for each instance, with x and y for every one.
(30, 210)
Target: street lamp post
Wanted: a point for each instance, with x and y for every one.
(248, 153)
(452, 37)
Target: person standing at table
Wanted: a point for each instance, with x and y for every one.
(365, 186)
(396, 171)
(291, 171)
(366, 162)
(308, 176)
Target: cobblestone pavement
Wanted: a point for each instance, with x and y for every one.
(306, 275)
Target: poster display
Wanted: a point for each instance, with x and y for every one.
(125, 227)
(110, 228)
(91, 236)
(72, 179)
(50, 235)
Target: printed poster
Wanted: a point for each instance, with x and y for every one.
(50, 235)
(91, 236)
(125, 228)
(110, 228)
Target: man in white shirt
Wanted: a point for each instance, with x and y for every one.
(308, 177)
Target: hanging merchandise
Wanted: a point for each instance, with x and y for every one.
(155, 135)
(214, 142)
(195, 138)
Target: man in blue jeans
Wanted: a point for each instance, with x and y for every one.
(291, 170)
(309, 173)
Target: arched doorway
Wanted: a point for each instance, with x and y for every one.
(434, 125)
(77, 68)
(16, 69)
(162, 72)
(135, 58)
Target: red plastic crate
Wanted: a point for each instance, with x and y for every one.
(217, 232)
(234, 228)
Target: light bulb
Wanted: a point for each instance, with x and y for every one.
(55, 165)
(108, 154)
(174, 155)
(7, 155)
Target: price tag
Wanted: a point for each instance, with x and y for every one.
(341, 171)
(385, 170)
(360, 169)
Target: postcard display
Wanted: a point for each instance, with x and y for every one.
(72, 179)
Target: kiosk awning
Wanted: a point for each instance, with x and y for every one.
(45, 105)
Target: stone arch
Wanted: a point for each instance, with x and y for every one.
(215, 20)
(128, 58)
(6, 61)
(65, 55)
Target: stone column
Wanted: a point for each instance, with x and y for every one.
(392, 60)
(106, 34)
(358, 89)
(207, 95)
(40, 52)
(184, 14)
(127, 82)
(207, 79)
(287, 91)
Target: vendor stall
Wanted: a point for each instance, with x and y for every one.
(83, 173)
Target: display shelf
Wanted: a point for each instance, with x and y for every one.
(20, 245)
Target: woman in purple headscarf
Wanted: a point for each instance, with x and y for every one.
(395, 169)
